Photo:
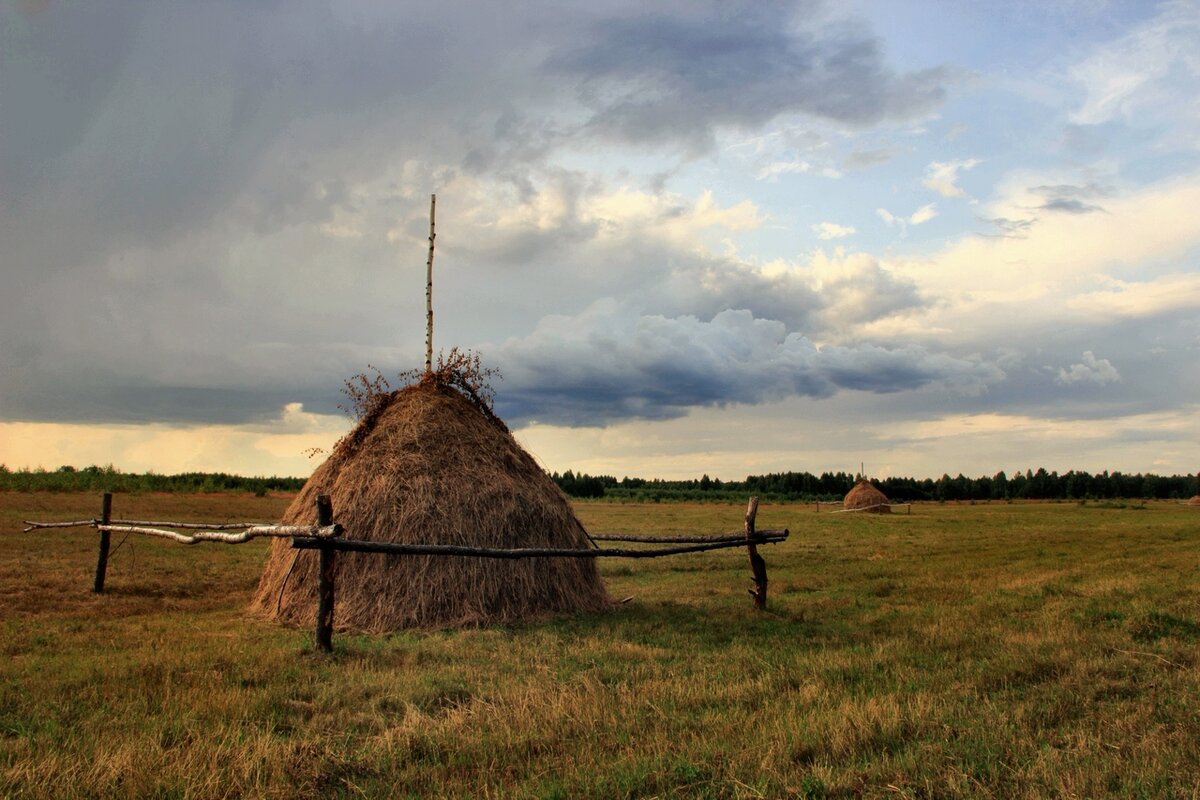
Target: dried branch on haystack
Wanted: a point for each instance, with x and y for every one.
(460, 370)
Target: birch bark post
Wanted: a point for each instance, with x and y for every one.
(757, 565)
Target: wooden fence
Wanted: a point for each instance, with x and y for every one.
(326, 537)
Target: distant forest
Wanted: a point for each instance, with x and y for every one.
(804, 486)
(110, 479)
(795, 486)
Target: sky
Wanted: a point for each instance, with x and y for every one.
(720, 238)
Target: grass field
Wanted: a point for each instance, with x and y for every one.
(1008, 651)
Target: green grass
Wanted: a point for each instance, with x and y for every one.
(991, 650)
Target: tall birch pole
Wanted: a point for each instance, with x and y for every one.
(429, 291)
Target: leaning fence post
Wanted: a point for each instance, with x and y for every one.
(325, 579)
(102, 558)
(757, 565)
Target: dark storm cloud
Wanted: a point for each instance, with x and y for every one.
(179, 104)
(166, 168)
(174, 404)
(608, 365)
(654, 77)
(57, 69)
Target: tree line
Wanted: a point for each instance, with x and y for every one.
(830, 486)
(111, 479)
(795, 486)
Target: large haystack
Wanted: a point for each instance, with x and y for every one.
(1195, 501)
(866, 497)
(428, 465)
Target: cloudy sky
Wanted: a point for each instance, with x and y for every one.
(695, 237)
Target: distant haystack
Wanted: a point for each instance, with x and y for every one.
(1195, 501)
(864, 496)
(429, 464)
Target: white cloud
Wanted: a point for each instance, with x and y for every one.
(923, 214)
(1091, 371)
(832, 230)
(1140, 76)
(1143, 233)
(942, 176)
(855, 289)
(918, 217)
(1162, 295)
(772, 171)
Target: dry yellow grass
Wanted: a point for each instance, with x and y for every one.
(1019, 651)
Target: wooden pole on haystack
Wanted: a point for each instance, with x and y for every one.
(429, 291)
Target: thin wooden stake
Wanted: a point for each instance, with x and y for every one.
(325, 587)
(429, 290)
(757, 565)
(102, 558)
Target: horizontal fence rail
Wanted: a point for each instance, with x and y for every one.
(315, 532)
(724, 537)
(145, 526)
(400, 549)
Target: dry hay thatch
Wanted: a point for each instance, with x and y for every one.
(1195, 501)
(866, 497)
(427, 464)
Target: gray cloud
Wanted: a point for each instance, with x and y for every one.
(187, 236)
(1070, 206)
(653, 77)
(608, 364)
(1092, 370)
(865, 159)
(1060, 191)
(1071, 199)
(1010, 228)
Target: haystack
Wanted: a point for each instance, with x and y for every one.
(429, 465)
(865, 496)
(1195, 501)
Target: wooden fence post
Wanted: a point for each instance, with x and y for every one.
(102, 558)
(325, 588)
(757, 565)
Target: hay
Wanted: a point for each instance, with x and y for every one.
(1195, 501)
(427, 465)
(863, 495)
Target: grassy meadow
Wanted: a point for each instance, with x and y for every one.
(992, 651)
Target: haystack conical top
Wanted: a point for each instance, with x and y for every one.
(430, 466)
(864, 495)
